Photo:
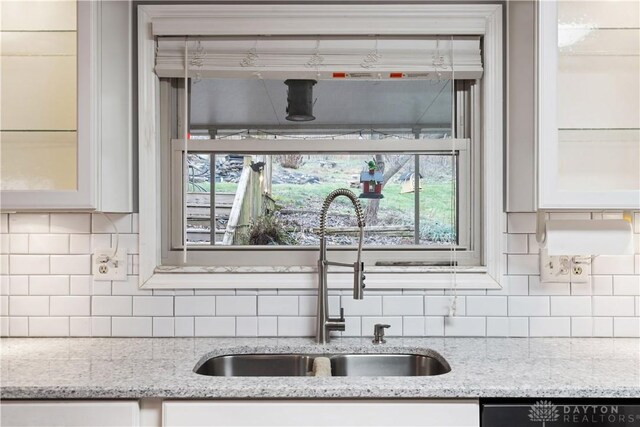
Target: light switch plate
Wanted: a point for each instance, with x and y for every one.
(107, 267)
(554, 269)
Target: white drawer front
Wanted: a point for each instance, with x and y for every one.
(441, 413)
(69, 413)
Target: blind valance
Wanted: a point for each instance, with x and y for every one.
(324, 58)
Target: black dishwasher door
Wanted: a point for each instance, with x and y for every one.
(550, 412)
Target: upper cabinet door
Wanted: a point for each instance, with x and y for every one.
(45, 127)
(589, 104)
(66, 123)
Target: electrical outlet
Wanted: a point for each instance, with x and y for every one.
(107, 267)
(555, 269)
(580, 269)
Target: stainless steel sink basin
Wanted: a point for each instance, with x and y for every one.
(342, 365)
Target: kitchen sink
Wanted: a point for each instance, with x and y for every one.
(342, 365)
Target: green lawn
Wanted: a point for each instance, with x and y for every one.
(435, 198)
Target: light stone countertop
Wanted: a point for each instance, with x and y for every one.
(110, 368)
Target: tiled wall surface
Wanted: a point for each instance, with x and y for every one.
(47, 290)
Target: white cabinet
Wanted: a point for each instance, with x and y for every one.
(66, 126)
(588, 104)
(441, 413)
(69, 413)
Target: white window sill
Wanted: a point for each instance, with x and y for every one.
(167, 277)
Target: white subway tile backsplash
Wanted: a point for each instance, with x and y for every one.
(195, 305)
(237, 305)
(215, 326)
(131, 326)
(111, 306)
(413, 326)
(352, 327)
(626, 327)
(49, 285)
(49, 243)
(4, 223)
(369, 306)
(267, 326)
(163, 327)
(521, 223)
(247, 326)
(18, 243)
(40, 252)
(440, 305)
(29, 223)
(395, 323)
(18, 285)
(184, 326)
(518, 326)
(405, 305)
(307, 305)
(100, 224)
(538, 288)
(48, 326)
(29, 264)
(523, 264)
(602, 326)
(4, 305)
(486, 306)
(79, 244)
(613, 306)
(497, 326)
(70, 264)
(465, 326)
(28, 306)
(582, 326)
(70, 223)
(296, 326)
(153, 306)
(571, 306)
(70, 306)
(609, 264)
(4, 326)
(529, 306)
(434, 326)
(18, 326)
(626, 285)
(80, 326)
(99, 287)
(517, 244)
(550, 326)
(277, 305)
(100, 326)
(518, 285)
(602, 285)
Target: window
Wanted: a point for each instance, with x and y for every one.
(257, 182)
(244, 188)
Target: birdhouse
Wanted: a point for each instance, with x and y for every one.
(408, 180)
(371, 181)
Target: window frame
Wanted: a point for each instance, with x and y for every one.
(484, 20)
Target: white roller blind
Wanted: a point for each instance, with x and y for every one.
(327, 58)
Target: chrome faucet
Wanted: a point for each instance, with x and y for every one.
(325, 324)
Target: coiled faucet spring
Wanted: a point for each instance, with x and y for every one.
(327, 203)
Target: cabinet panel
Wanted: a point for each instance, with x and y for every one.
(69, 413)
(442, 413)
(38, 161)
(589, 104)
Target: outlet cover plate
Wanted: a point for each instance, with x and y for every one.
(554, 269)
(106, 268)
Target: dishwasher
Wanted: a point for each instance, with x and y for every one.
(559, 412)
